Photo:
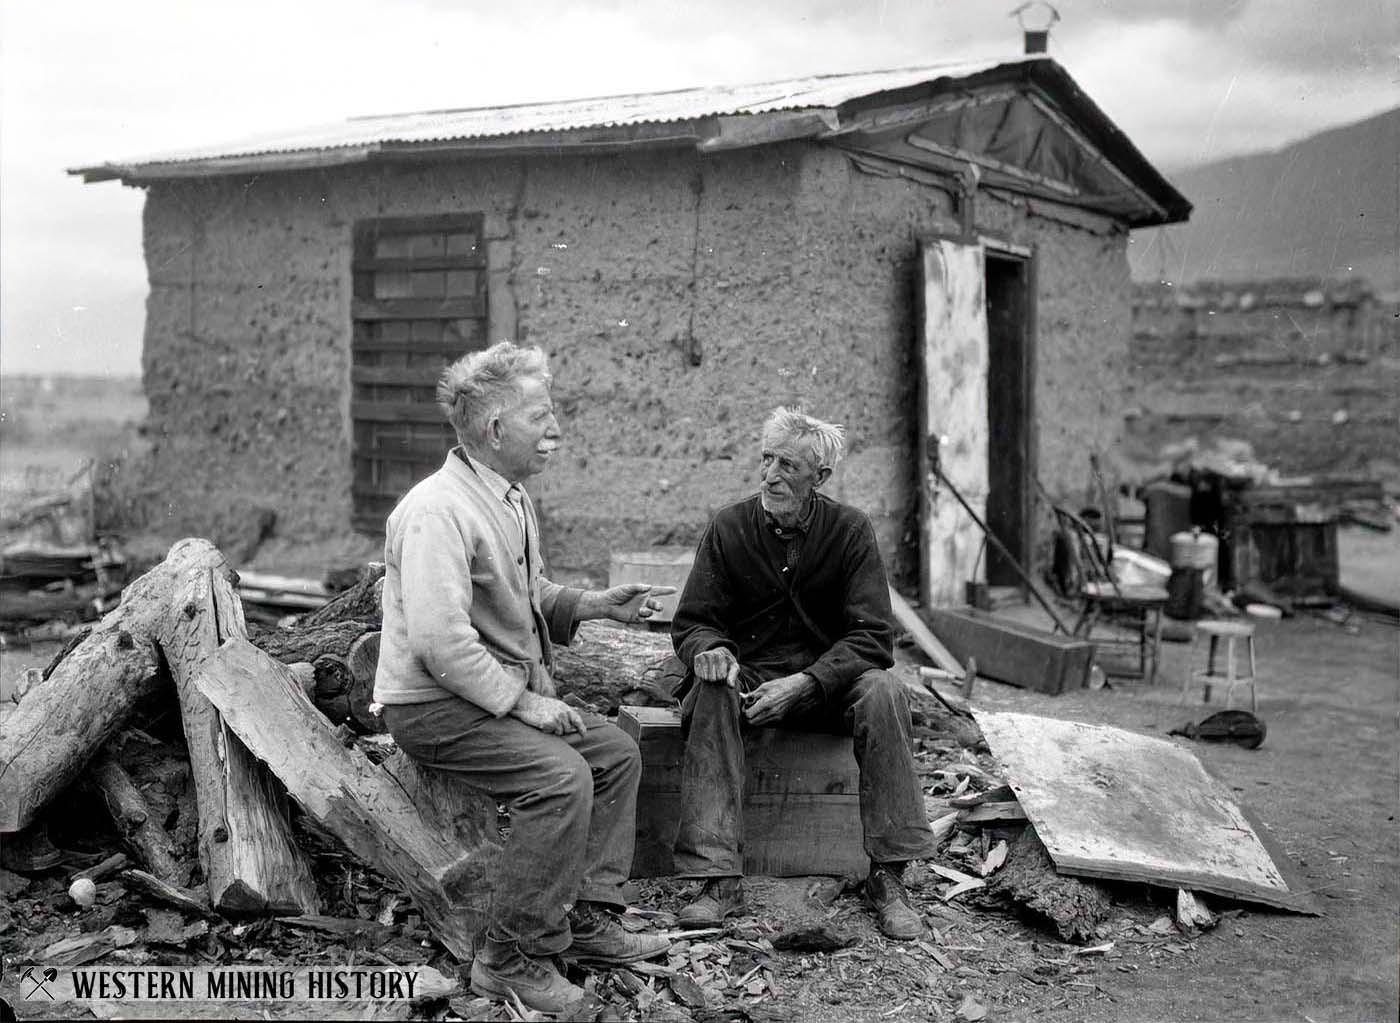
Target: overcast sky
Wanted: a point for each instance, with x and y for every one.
(86, 82)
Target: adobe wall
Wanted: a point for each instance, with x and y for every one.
(680, 297)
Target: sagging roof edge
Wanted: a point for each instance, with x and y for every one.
(709, 134)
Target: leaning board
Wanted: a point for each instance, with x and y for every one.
(1113, 804)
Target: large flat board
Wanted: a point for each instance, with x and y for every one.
(1113, 804)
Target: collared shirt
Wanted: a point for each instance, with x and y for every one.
(509, 493)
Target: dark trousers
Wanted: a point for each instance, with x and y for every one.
(874, 711)
(572, 801)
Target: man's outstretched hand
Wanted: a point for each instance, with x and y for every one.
(716, 665)
(776, 698)
(548, 714)
(629, 602)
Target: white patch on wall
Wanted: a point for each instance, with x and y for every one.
(953, 417)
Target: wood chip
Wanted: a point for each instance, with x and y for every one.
(1093, 950)
(687, 991)
(86, 948)
(943, 827)
(971, 1009)
(971, 884)
(995, 858)
(948, 873)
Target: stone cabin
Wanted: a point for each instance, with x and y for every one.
(922, 253)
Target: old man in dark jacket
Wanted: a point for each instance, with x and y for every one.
(785, 621)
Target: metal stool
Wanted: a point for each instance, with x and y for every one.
(1229, 632)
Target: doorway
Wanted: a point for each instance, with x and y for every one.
(1010, 440)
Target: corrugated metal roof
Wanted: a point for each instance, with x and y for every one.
(819, 91)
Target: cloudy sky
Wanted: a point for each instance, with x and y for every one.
(83, 81)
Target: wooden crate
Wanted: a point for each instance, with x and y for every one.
(1011, 652)
(801, 799)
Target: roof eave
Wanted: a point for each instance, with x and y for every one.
(1164, 204)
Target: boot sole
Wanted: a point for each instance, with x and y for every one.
(611, 960)
(492, 988)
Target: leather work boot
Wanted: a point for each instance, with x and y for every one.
(599, 938)
(721, 897)
(500, 968)
(885, 892)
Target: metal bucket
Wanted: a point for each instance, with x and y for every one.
(1196, 550)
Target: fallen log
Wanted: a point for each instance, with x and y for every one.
(60, 725)
(361, 662)
(361, 601)
(1029, 881)
(608, 665)
(466, 814)
(340, 789)
(251, 862)
(134, 820)
(306, 643)
(605, 666)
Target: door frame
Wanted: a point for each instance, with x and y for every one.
(996, 247)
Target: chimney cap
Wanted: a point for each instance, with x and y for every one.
(1036, 18)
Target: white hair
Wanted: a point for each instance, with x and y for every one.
(827, 441)
(481, 384)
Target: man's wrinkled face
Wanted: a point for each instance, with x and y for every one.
(526, 432)
(788, 474)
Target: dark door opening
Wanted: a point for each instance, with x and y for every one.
(1009, 442)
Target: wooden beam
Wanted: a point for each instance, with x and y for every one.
(922, 636)
(344, 792)
(251, 862)
(1011, 652)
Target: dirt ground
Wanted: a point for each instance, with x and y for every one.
(1325, 783)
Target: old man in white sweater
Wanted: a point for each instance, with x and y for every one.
(464, 677)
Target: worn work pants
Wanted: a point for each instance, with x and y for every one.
(572, 801)
(874, 711)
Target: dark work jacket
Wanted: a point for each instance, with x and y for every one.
(837, 600)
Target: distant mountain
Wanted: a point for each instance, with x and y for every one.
(1325, 207)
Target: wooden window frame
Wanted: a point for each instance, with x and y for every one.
(418, 302)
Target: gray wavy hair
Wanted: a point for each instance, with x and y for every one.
(481, 384)
(827, 441)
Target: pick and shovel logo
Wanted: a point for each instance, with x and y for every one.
(34, 983)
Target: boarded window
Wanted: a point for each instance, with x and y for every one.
(419, 303)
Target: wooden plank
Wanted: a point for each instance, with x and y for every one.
(396, 412)
(1014, 653)
(396, 376)
(428, 458)
(417, 308)
(801, 799)
(354, 799)
(1110, 803)
(405, 264)
(448, 350)
(922, 636)
(434, 223)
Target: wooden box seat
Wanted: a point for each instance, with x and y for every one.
(801, 799)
